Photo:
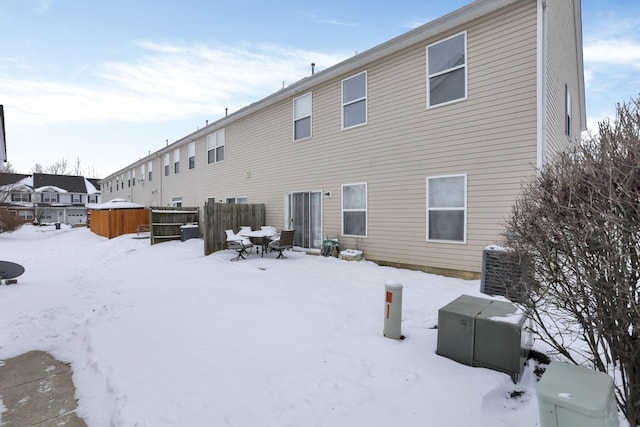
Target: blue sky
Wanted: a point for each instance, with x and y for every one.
(107, 82)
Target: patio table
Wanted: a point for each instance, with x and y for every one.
(263, 235)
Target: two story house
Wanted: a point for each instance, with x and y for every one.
(413, 151)
(46, 198)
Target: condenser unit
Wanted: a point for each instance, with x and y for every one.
(503, 273)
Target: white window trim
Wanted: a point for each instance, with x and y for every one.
(365, 98)
(295, 118)
(167, 162)
(236, 198)
(464, 209)
(466, 74)
(366, 209)
(191, 153)
(212, 144)
(568, 115)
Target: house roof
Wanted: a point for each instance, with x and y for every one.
(3, 142)
(11, 178)
(70, 183)
(474, 10)
(95, 182)
(437, 27)
(461, 16)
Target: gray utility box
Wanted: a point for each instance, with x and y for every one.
(571, 396)
(484, 333)
(189, 231)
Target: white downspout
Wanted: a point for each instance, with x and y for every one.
(541, 83)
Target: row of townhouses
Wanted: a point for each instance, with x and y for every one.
(413, 151)
(45, 198)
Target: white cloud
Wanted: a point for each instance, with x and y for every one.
(164, 82)
(43, 5)
(331, 21)
(613, 51)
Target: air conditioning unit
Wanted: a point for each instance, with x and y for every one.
(503, 273)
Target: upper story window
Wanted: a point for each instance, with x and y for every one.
(567, 111)
(176, 160)
(215, 147)
(129, 179)
(76, 198)
(192, 155)
(142, 172)
(20, 197)
(166, 164)
(447, 208)
(447, 70)
(354, 101)
(150, 170)
(133, 177)
(302, 117)
(354, 210)
(49, 197)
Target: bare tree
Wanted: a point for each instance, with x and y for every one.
(37, 168)
(77, 167)
(579, 224)
(7, 168)
(58, 168)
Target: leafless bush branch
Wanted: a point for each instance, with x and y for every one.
(578, 222)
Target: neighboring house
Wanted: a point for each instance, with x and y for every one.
(46, 198)
(413, 151)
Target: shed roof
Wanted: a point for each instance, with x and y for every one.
(117, 204)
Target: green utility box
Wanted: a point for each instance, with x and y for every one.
(484, 333)
(571, 396)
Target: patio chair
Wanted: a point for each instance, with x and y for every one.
(244, 229)
(239, 244)
(285, 242)
(274, 235)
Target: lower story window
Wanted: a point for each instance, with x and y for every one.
(25, 214)
(354, 210)
(241, 200)
(447, 208)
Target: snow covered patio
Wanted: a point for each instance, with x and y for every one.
(164, 336)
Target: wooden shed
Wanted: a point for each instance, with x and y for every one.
(117, 217)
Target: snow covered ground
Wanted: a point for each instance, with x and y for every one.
(164, 336)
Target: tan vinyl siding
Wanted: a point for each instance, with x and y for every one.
(491, 137)
(562, 68)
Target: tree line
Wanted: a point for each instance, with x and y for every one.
(62, 167)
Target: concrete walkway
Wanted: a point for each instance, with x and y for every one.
(37, 390)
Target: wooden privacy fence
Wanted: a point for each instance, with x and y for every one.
(115, 222)
(166, 222)
(223, 216)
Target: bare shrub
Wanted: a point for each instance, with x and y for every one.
(8, 222)
(578, 222)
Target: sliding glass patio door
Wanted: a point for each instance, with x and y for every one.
(305, 216)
